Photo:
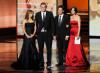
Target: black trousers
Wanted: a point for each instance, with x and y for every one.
(44, 37)
(62, 45)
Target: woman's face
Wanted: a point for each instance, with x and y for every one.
(30, 14)
(73, 11)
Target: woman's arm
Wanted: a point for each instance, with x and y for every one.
(79, 27)
(24, 29)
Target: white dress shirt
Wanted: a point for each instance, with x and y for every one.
(61, 17)
(42, 14)
(42, 19)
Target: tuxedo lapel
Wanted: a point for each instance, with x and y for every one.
(62, 19)
(46, 14)
(57, 20)
(40, 16)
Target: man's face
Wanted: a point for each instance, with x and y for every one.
(43, 8)
(60, 11)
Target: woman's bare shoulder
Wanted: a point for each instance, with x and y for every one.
(24, 21)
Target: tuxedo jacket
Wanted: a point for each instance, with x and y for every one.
(62, 31)
(48, 23)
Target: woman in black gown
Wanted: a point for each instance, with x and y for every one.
(28, 58)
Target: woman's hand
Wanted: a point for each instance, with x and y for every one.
(28, 36)
(78, 37)
(54, 38)
(31, 35)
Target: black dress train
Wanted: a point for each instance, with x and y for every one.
(29, 58)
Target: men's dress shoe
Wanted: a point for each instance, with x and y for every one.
(49, 67)
(41, 66)
(59, 64)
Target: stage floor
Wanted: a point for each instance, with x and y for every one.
(8, 54)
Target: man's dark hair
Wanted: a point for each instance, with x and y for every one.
(61, 6)
(43, 3)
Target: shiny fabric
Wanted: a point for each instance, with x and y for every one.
(75, 55)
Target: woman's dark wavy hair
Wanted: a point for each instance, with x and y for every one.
(75, 9)
(27, 15)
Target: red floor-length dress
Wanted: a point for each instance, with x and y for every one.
(75, 54)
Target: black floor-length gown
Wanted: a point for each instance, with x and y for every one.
(29, 58)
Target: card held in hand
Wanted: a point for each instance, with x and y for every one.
(77, 41)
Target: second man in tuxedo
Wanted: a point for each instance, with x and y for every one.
(45, 31)
(62, 33)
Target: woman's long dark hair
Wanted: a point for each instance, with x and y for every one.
(27, 15)
(75, 9)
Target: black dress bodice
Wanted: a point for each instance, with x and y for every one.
(29, 28)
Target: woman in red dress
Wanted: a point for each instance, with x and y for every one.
(75, 55)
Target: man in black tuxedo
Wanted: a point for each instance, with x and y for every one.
(45, 31)
(62, 33)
